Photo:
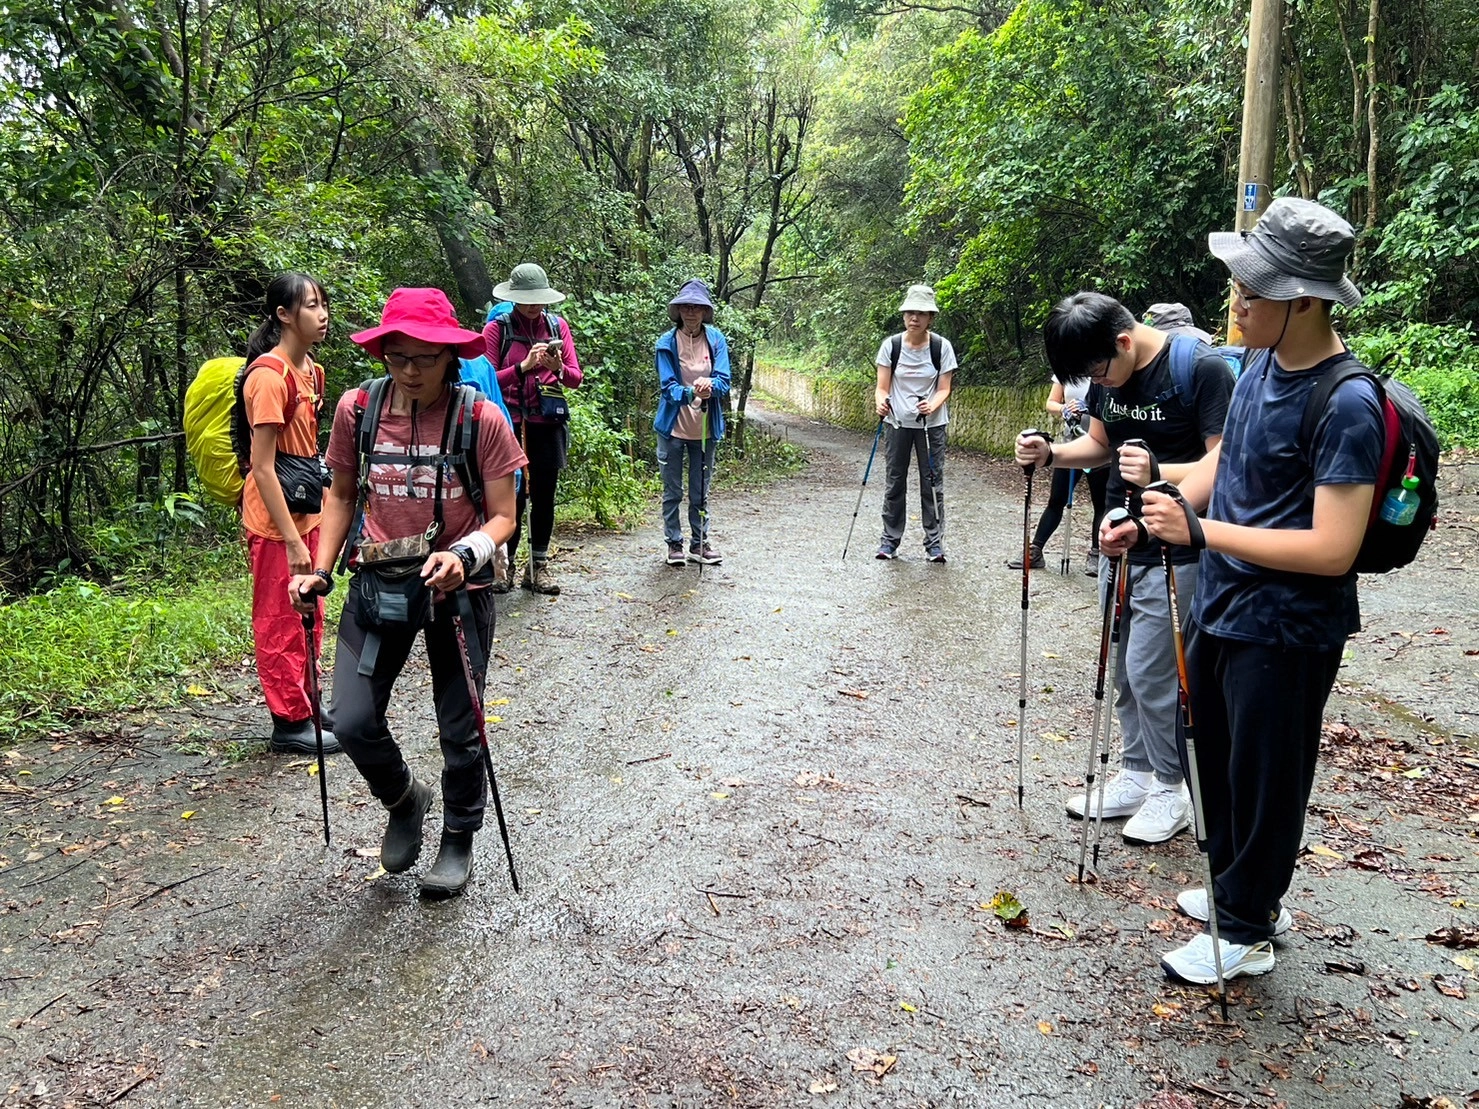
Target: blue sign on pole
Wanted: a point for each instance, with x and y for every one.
(1250, 196)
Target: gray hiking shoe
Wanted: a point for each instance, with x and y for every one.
(887, 551)
(402, 843)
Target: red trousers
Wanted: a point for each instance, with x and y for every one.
(277, 628)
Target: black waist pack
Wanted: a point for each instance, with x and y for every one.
(302, 479)
(389, 595)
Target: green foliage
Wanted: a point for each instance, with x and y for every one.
(1440, 365)
(603, 477)
(79, 649)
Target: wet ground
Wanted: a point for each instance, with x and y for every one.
(758, 818)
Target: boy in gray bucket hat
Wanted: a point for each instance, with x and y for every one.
(1276, 596)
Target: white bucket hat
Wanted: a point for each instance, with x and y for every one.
(919, 298)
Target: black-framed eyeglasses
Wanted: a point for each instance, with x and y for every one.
(422, 361)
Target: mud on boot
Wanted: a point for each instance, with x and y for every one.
(1037, 560)
(402, 843)
(448, 876)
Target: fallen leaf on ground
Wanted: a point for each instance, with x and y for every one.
(907, 1007)
(1165, 1010)
(1455, 937)
(1168, 1099)
(499, 701)
(197, 691)
(187, 814)
(1012, 912)
(1278, 1070)
(1324, 852)
(1045, 1027)
(1450, 985)
(719, 796)
(874, 1064)
(379, 873)
(860, 694)
(114, 801)
(821, 1087)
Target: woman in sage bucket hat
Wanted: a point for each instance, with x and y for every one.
(693, 382)
(915, 368)
(414, 503)
(1283, 516)
(533, 353)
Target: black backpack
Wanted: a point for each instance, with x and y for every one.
(896, 347)
(1410, 441)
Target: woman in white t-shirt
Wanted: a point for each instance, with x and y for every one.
(914, 373)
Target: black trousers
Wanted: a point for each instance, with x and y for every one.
(546, 445)
(1097, 482)
(360, 703)
(1257, 712)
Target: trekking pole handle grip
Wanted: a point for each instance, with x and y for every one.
(1140, 444)
(1030, 433)
(1121, 515)
(1197, 537)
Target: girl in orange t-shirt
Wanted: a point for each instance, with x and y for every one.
(283, 392)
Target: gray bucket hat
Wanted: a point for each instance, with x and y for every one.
(1297, 249)
(528, 284)
(694, 292)
(919, 298)
(1175, 319)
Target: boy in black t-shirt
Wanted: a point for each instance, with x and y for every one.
(1134, 395)
(1277, 596)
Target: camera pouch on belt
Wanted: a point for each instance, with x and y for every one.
(302, 479)
(389, 592)
(552, 404)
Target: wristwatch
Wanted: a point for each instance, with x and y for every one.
(327, 578)
(469, 559)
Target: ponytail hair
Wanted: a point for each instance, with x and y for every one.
(288, 290)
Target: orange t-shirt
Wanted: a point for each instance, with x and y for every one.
(267, 404)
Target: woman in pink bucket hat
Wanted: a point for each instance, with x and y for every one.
(423, 493)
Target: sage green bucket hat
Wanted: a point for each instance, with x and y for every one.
(528, 284)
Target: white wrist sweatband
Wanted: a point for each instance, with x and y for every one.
(482, 547)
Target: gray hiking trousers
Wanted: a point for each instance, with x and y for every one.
(1145, 682)
(899, 444)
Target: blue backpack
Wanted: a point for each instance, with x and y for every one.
(1185, 350)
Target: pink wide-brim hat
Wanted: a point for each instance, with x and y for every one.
(424, 314)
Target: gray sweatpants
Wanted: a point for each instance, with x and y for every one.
(1145, 679)
(899, 444)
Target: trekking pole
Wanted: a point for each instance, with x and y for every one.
(1089, 774)
(931, 476)
(1120, 577)
(477, 707)
(703, 485)
(1116, 517)
(1183, 693)
(868, 469)
(315, 696)
(1027, 470)
(1067, 560)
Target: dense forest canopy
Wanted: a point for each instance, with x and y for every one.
(163, 158)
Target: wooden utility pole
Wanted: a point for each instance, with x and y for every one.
(1260, 120)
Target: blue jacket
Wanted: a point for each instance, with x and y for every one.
(673, 394)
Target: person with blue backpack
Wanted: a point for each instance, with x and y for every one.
(693, 383)
(1170, 392)
(533, 353)
(1287, 505)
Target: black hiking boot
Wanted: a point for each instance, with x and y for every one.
(449, 874)
(295, 737)
(1037, 560)
(402, 843)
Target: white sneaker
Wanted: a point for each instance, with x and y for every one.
(1194, 963)
(1166, 811)
(1123, 795)
(1194, 904)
